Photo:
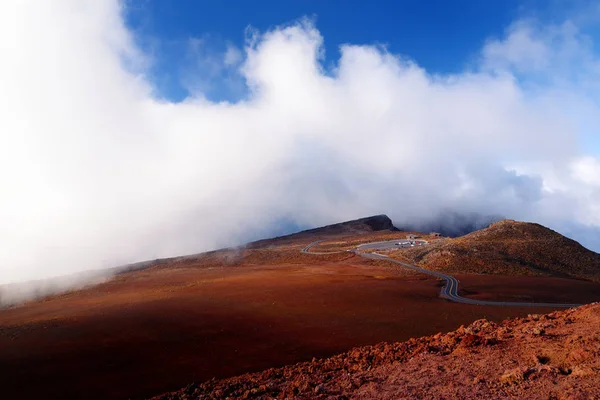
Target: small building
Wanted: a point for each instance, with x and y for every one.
(436, 234)
(412, 236)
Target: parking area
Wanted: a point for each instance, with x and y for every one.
(392, 244)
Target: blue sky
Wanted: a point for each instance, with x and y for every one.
(441, 36)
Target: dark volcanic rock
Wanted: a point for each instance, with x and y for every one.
(369, 224)
(375, 223)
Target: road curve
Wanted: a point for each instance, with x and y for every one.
(307, 249)
(450, 289)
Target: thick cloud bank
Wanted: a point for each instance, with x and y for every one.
(96, 170)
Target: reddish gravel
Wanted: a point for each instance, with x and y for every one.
(553, 356)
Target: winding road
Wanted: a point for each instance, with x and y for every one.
(450, 289)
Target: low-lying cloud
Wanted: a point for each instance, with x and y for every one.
(97, 170)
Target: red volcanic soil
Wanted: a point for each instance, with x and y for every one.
(227, 313)
(528, 289)
(553, 356)
(159, 329)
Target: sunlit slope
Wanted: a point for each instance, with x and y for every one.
(509, 248)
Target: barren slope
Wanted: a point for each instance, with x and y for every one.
(554, 356)
(376, 223)
(508, 248)
(220, 315)
(165, 323)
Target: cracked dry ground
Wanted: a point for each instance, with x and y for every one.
(552, 356)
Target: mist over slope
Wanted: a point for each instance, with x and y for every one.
(98, 170)
(449, 223)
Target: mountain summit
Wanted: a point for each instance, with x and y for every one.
(510, 247)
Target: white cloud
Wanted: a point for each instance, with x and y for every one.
(97, 172)
(587, 170)
(561, 55)
(522, 49)
(233, 56)
(212, 68)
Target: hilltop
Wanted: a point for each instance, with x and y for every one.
(508, 248)
(376, 223)
(537, 357)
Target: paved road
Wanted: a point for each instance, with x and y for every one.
(392, 244)
(449, 290)
(307, 249)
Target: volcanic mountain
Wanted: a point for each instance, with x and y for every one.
(509, 248)
(159, 325)
(377, 223)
